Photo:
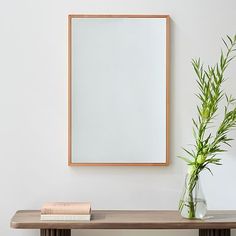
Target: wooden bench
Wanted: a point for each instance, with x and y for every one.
(217, 223)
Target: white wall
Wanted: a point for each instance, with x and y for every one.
(33, 118)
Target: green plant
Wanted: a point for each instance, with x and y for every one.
(209, 143)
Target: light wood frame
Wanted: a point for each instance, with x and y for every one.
(70, 17)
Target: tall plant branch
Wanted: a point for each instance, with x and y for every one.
(207, 145)
(210, 83)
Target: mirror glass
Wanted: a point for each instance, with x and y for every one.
(118, 90)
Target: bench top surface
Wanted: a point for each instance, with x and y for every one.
(126, 219)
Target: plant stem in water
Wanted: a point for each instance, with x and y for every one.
(192, 183)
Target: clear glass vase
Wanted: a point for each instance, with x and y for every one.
(192, 204)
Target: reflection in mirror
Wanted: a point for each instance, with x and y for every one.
(118, 90)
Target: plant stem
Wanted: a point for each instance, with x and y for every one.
(188, 197)
(191, 202)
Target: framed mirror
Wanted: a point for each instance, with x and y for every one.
(119, 69)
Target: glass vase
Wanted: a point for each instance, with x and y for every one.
(192, 204)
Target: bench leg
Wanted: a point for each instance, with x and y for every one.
(214, 232)
(55, 232)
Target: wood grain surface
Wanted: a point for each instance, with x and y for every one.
(124, 219)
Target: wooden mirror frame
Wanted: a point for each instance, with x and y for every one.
(70, 17)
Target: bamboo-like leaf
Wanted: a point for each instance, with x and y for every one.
(185, 159)
(191, 154)
(226, 45)
(195, 124)
(209, 170)
(231, 41)
(222, 60)
(230, 59)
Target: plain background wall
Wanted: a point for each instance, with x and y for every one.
(33, 116)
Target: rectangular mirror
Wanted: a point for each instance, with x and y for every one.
(118, 89)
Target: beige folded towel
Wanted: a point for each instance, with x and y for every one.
(66, 208)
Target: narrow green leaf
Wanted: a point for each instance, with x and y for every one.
(185, 159)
